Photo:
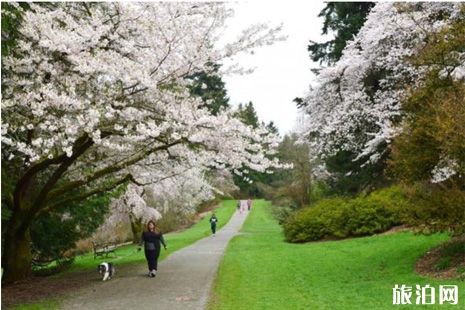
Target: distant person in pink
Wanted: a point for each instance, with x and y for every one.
(249, 204)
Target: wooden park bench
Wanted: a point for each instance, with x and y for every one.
(104, 248)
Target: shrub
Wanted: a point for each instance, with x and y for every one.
(337, 218)
(303, 227)
(369, 216)
(334, 214)
(311, 224)
(281, 214)
(435, 207)
(55, 234)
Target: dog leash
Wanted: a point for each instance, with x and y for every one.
(118, 258)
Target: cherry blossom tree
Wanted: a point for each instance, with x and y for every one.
(129, 207)
(356, 103)
(95, 96)
(178, 194)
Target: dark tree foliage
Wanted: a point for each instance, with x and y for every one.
(351, 178)
(210, 87)
(247, 114)
(55, 233)
(344, 19)
(272, 128)
(11, 20)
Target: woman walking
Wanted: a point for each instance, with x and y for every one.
(152, 238)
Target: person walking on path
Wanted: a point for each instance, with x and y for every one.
(152, 238)
(249, 204)
(185, 283)
(213, 221)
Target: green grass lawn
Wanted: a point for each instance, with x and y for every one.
(261, 271)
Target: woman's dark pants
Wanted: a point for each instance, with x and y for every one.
(152, 258)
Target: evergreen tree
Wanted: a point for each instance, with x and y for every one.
(344, 19)
(272, 128)
(350, 176)
(211, 88)
(246, 113)
(252, 186)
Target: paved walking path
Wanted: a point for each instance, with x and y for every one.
(183, 281)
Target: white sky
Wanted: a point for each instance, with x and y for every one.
(283, 69)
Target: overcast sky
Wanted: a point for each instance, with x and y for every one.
(283, 70)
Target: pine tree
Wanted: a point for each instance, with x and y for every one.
(344, 19)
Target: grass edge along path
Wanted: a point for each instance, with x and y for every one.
(261, 271)
(126, 255)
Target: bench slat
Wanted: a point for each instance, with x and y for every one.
(104, 248)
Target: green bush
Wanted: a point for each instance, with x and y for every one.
(338, 218)
(370, 215)
(55, 234)
(435, 207)
(311, 223)
(334, 214)
(281, 214)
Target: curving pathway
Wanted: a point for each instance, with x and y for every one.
(183, 281)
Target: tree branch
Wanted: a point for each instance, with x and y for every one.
(84, 196)
(41, 166)
(83, 145)
(108, 170)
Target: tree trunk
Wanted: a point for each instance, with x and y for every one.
(17, 256)
(137, 227)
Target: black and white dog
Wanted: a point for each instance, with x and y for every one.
(107, 270)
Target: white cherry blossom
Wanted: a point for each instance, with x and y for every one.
(356, 101)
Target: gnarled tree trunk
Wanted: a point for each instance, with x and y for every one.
(136, 227)
(16, 256)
